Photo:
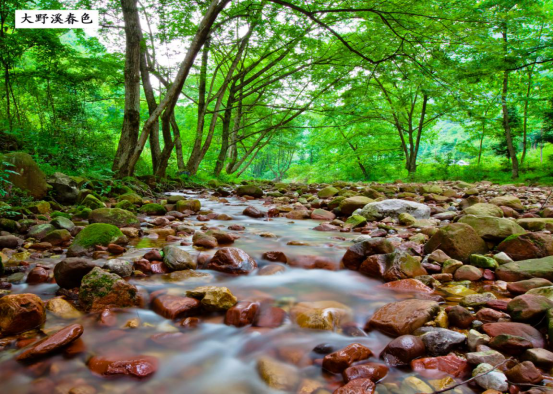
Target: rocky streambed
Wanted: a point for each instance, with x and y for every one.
(343, 288)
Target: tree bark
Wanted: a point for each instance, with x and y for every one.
(131, 119)
(152, 104)
(506, 121)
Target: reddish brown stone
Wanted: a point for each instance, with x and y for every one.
(314, 262)
(37, 275)
(357, 386)
(450, 364)
(372, 371)
(253, 212)
(143, 265)
(116, 249)
(190, 323)
(242, 314)
(404, 317)
(527, 246)
(20, 312)
(510, 344)
(459, 317)
(402, 350)
(52, 343)
(523, 286)
(232, 261)
(136, 366)
(407, 286)
(338, 361)
(525, 372)
(107, 318)
(517, 329)
(153, 255)
(356, 254)
(174, 307)
(157, 267)
(275, 257)
(488, 315)
(271, 317)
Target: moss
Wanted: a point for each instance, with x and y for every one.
(55, 214)
(153, 209)
(83, 213)
(126, 204)
(97, 283)
(133, 198)
(116, 216)
(192, 205)
(92, 202)
(97, 234)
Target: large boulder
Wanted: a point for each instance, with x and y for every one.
(64, 188)
(349, 205)
(232, 261)
(492, 228)
(393, 208)
(69, 272)
(536, 224)
(95, 234)
(327, 192)
(100, 290)
(117, 217)
(178, 259)
(483, 209)
(457, 240)
(526, 269)
(392, 266)
(27, 175)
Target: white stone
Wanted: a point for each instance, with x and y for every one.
(393, 208)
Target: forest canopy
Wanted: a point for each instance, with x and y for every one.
(291, 90)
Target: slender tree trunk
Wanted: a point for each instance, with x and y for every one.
(225, 135)
(131, 119)
(152, 104)
(525, 123)
(481, 142)
(506, 121)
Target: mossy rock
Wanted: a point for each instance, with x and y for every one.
(483, 209)
(355, 221)
(8, 225)
(328, 192)
(351, 204)
(56, 214)
(127, 205)
(27, 174)
(95, 234)
(174, 198)
(214, 183)
(335, 203)
(133, 198)
(83, 213)
(40, 207)
(116, 216)
(40, 231)
(101, 289)
(191, 205)
(62, 222)
(57, 237)
(92, 202)
(153, 209)
(249, 190)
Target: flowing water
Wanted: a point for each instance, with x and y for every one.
(215, 358)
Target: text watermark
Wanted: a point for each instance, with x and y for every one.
(56, 19)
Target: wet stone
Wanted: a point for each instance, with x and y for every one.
(525, 372)
(242, 314)
(372, 371)
(357, 386)
(20, 312)
(440, 341)
(174, 307)
(404, 317)
(402, 350)
(52, 343)
(135, 366)
(338, 361)
(232, 261)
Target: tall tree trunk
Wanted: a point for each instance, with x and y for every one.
(506, 121)
(171, 97)
(131, 119)
(481, 141)
(225, 135)
(152, 104)
(525, 123)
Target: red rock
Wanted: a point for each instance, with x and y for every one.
(298, 214)
(203, 240)
(523, 286)
(236, 227)
(510, 344)
(435, 366)
(52, 343)
(357, 386)
(242, 314)
(174, 307)
(321, 214)
(488, 315)
(41, 246)
(20, 312)
(529, 307)
(253, 212)
(459, 317)
(372, 371)
(37, 275)
(271, 317)
(407, 286)
(500, 305)
(116, 249)
(190, 323)
(232, 261)
(488, 274)
(517, 329)
(525, 372)
(136, 366)
(157, 267)
(402, 350)
(153, 255)
(107, 318)
(275, 257)
(404, 317)
(142, 265)
(527, 246)
(338, 361)
(326, 227)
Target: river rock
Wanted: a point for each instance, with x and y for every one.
(457, 240)
(357, 386)
(492, 380)
(392, 208)
(356, 254)
(62, 308)
(526, 269)
(491, 357)
(527, 246)
(69, 272)
(95, 234)
(100, 290)
(459, 317)
(403, 317)
(178, 259)
(40, 231)
(525, 372)
(10, 242)
(232, 261)
(37, 275)
(26, 174)
(523, 286)
(115, 216)
(242, 314)
(522, 330)
(508, 201)
(484, 209)
(52, 343)
(372, 371)
(64, 188)
(253, 212)
(541, 357)
(327, 192)
(467, 272)
(402, 350)
(119, 267)
(492, 228)
(213, 298)
(351, 204)
(529, 307)
(441, 341)
(175, 307)
(135, 366)
(20, 312)
(321, 214)
(188, 205)
(249, 190)
(451, 364)
(62, 223)
(203, 240)
(57, 237)
(392, 266)
(338, 361)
